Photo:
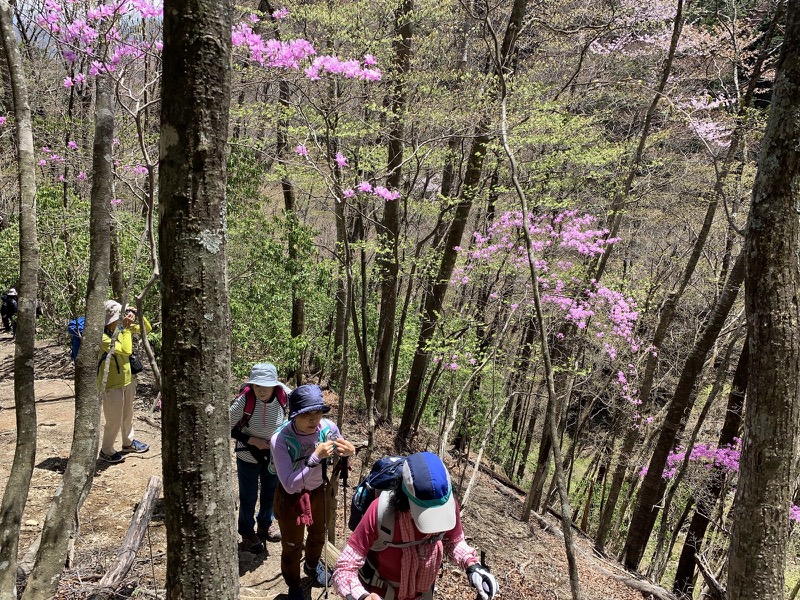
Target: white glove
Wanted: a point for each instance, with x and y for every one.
(483, 581)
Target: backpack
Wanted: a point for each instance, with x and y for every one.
(250, 402)
(381, 477)
(75, 330)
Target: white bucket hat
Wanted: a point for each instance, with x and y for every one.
(263, 374)
(113, 310)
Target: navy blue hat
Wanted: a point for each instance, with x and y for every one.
(306, 398)
(426, 482)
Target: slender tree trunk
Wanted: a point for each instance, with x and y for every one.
(18, 484)
(621, 197)
(768, 466)
(388, 233)
(62, 517)
(669, 305)
(656, 569)
(192, 244)
(684, 575)
(647, 504)
(434, 300)
(552, 417)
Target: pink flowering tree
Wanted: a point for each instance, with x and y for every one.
(564, 242)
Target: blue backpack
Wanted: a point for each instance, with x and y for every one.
(75, 330)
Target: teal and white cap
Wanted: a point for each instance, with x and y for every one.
(426, 482)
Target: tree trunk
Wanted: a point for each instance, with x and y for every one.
(669, 305)
(388, 232)
(768, 467)
(196, 340)
(61, 520)
(552, 417)
(434, 300)
(18, 484)
(653, 484)
(706, 501)
(621, 197)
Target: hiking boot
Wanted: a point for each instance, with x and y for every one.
(271, 534)
(295, 593)
(251, 543)
(137, 447)
(111, 458)
(320, 576)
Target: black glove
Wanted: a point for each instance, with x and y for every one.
(482, 580)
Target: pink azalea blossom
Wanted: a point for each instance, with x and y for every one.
(301, 150)
(341, 160)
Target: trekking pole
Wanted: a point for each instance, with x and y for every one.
(325, 482)
(485, 566)
(343, 465)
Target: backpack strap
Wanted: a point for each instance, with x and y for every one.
(293, 444)
(385, 522)
(249, 407)
(280, 394)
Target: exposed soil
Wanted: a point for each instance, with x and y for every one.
(528, 562)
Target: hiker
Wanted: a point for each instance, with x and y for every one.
(9, 312)
(301, 452)
(426, 523)
(120, 385)
(256, 414)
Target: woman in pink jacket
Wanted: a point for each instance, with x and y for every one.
(424, 519)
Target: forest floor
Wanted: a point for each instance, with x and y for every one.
(529, 562)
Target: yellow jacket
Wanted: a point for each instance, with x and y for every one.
(119, 369)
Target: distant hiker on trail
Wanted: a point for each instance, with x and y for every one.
(426, 524)
(301, 451)
(256, 414)
(120, 386)
(9, 312)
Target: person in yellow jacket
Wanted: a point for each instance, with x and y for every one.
(120, 384)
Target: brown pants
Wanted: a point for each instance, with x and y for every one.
(292, 533)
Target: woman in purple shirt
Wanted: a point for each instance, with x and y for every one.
(301, 450)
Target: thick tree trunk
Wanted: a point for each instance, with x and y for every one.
(16, 491)
(684, 576)
(434, 300)
(192, 244)
(653, 485)
(768, 465)
(61, 520)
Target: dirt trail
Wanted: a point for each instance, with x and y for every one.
(528, 563)
(117, 488)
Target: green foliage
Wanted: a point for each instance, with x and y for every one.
(263, 276)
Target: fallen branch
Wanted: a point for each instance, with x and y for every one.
(716, 591)
(133, 539)
(495, 475)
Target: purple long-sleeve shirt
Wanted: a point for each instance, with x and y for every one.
(305, 474)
